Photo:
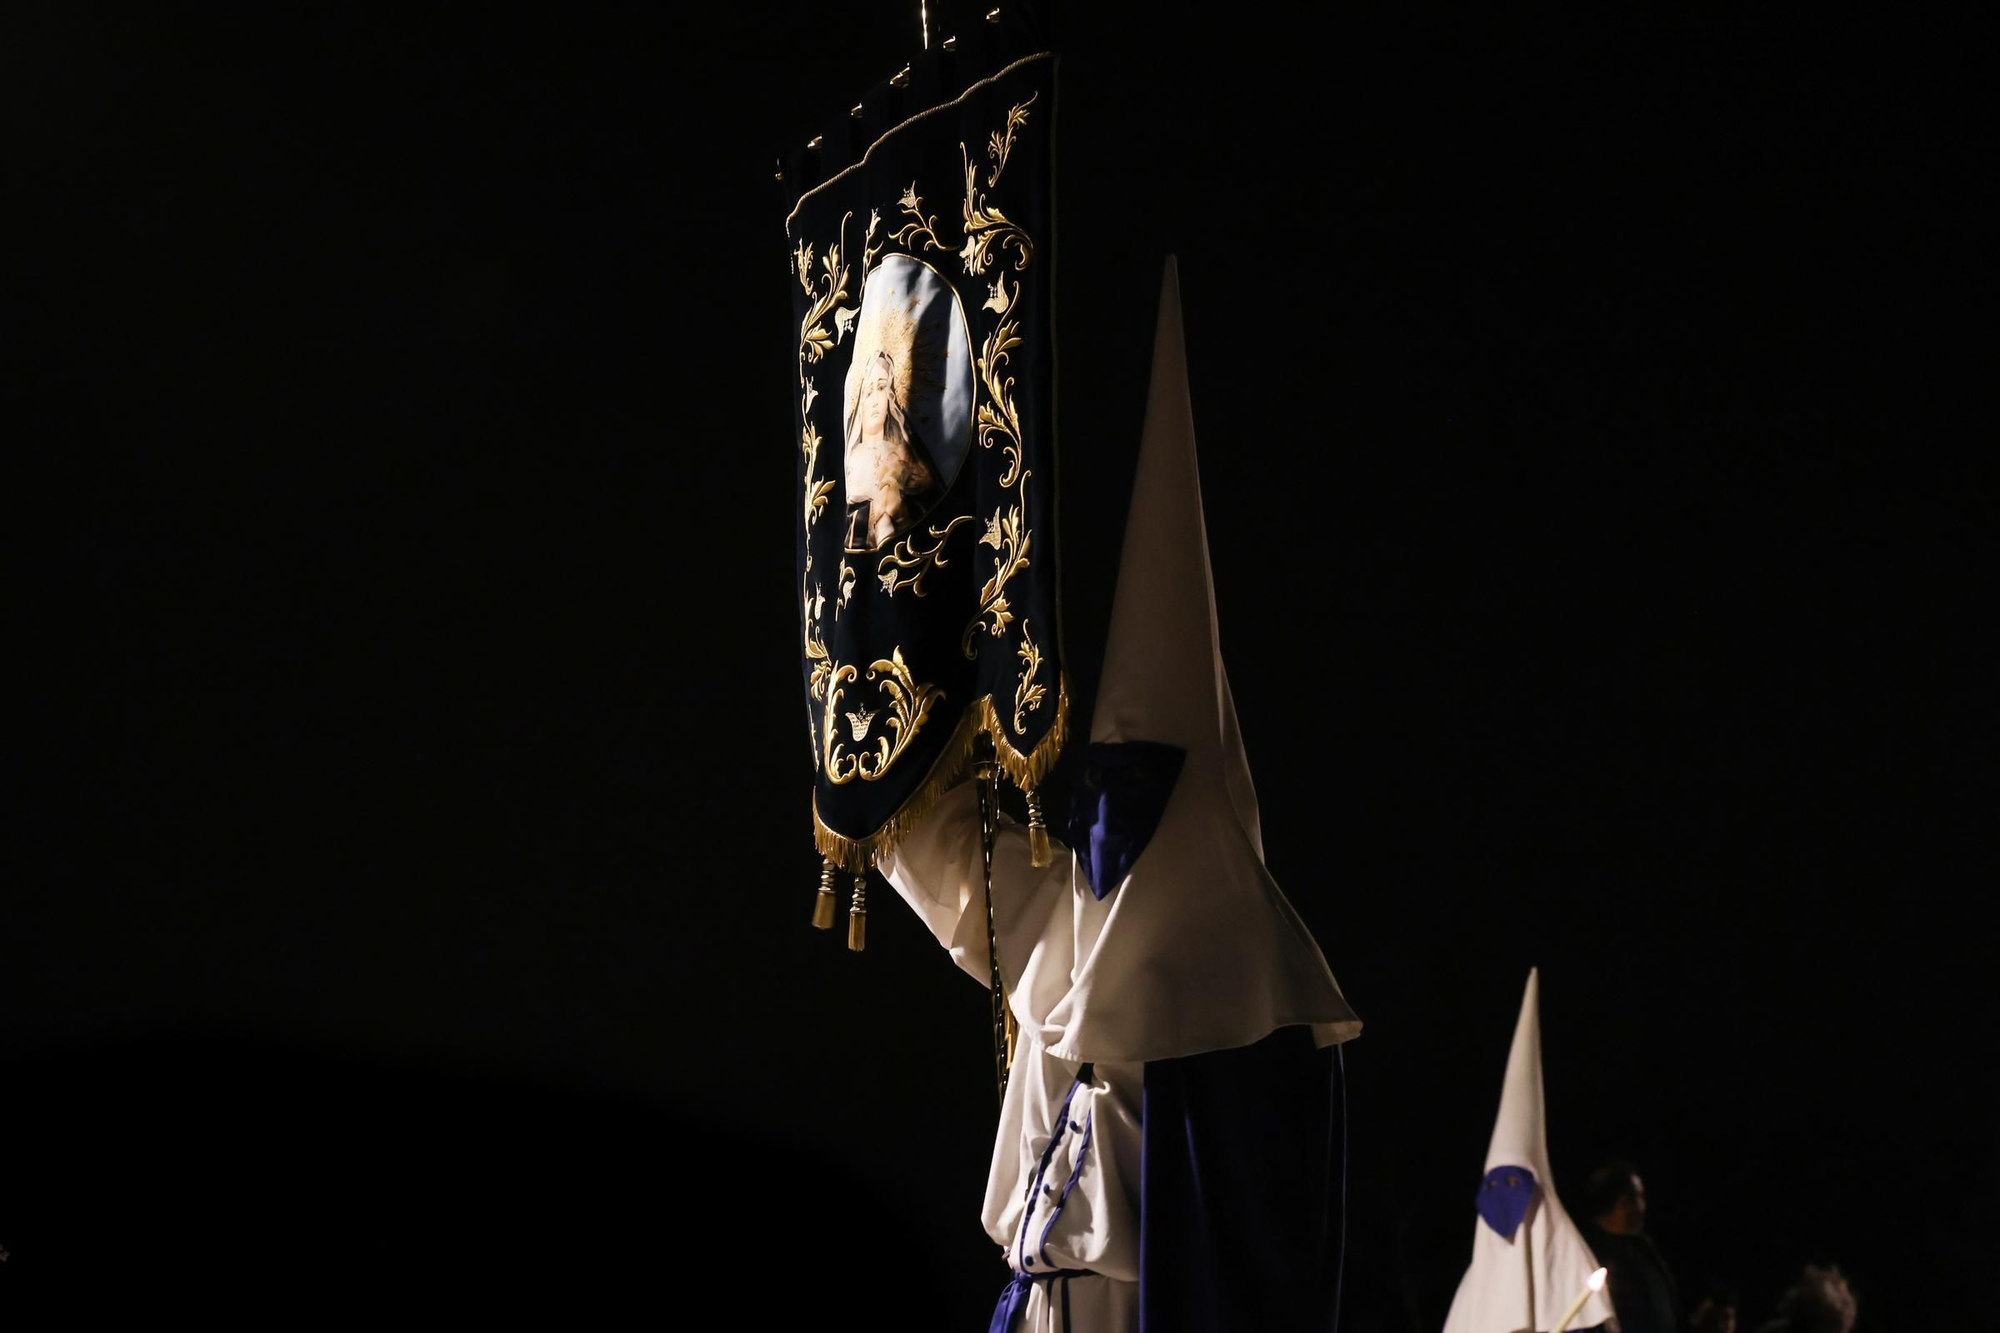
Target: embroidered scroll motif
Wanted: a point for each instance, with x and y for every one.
(909, 704)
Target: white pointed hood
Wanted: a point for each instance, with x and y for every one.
(1163, 678)
(1196, 949)
(1529, 1280)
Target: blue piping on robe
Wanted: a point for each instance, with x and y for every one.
(1014, 1297)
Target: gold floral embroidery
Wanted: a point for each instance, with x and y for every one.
(828, 292)
(816, 654)
(1007, 535)
(908, 555)
(845, 579)
(923, 228)
(987, 228)
(1027, 695)
(909, 703)
(816, 490)
(870, 247)
(998, 147)
(826, 285)
(997, 417)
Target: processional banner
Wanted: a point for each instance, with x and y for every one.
(920, 247)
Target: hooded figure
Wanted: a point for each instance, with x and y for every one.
(1171, 1145)
(1529, 1262)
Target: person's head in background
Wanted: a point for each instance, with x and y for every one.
(1819, 1302)
(1615, 1199)
(1714, 1308)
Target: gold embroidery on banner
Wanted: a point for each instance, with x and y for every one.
(1007, 535)
(829, 295)
(907, 556)
(845, 578)
(815, 646)
(909, 703)
(836, 676)
(997, 418)
(816, 654)
(827, 286)
(997, 147)
(828, 292)
(986, 227)
(1028, 695)
(870, 247)
(816, 490)
(1027, 770)
(924, 228)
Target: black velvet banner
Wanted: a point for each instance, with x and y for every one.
(923, 413)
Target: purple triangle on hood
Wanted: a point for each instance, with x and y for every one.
(1116, 804)
(1504, 1197)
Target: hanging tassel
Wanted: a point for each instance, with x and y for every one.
(824, 905)
(1039, 853)
(857, 914)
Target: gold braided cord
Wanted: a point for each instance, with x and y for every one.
(1026, 771)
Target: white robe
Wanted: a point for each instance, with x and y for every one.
(1089, 1185)
(1041, 921)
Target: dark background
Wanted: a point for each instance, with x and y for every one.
(415, 865)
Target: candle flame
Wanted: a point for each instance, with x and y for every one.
(1596, 1280)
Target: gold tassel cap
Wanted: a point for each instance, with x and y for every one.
(857, 914)
(824, 905)
(1039, 852)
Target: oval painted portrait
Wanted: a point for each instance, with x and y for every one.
(907, 412)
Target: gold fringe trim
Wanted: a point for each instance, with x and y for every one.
(1026, 771)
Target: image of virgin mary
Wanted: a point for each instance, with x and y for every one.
(892, 481)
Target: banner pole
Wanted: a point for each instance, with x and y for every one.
(983, 772)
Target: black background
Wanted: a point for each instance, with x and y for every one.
(417, 862)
